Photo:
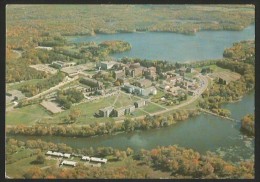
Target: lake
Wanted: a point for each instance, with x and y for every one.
(174, 47)
(202, 133)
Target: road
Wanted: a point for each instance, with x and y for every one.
(53, 88)
(203, 87)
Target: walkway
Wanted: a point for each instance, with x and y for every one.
(53, 88)
(214, 114)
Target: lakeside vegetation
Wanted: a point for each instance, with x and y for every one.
(171, 162)
(248, 124)
(220, 93)
(109, 127)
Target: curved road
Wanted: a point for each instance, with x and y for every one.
(204, 85)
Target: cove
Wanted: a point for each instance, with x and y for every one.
(174, 47)
(202, 133)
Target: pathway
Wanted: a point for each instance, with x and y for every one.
(52, 88)
(214, 114)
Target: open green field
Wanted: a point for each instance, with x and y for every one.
(151, 108)
(125, 100)
(88, 110)
(214, 67)
(138, 112)
(27, 115)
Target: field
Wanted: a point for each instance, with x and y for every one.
(229, 76)
(27, 115)
(214, 67)
(17, 169)
(125, 100)
(151, 108)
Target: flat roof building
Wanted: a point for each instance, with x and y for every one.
(119, 74)
(91, 82)
(85, 158)
(68, 163)
(106, 65)
(106, 112)
(119, 111)
(100, 160)
(139, 103)
(144, 83)
(61, 64)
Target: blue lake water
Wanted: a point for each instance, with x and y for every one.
(175, 47)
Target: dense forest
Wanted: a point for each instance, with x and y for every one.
(178, 162)
(27, 24)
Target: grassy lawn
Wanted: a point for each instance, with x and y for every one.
(138, 112)
(152, 108)
(159, 95)
(88, 110)
(125, 100)
(190, 75)
(17, 169)
(26, 115)
(214, 67)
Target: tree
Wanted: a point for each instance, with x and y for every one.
(34, 173)
(40, 159)
(74, 114)
(129, 151)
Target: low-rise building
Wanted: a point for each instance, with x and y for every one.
(66, 155)
(106, 65)
(85, 158)
(119, 112)
(119, 74)
(106, 112)
(129, 109)
(68, 163)
(144, 83)
(190, 92)
(151, 71)
(91, 83)
(61, 64)
(99, 160)
(139, 103)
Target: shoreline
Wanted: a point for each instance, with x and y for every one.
(151, 31)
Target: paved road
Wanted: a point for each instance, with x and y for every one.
(203, 87)
(53, 88)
